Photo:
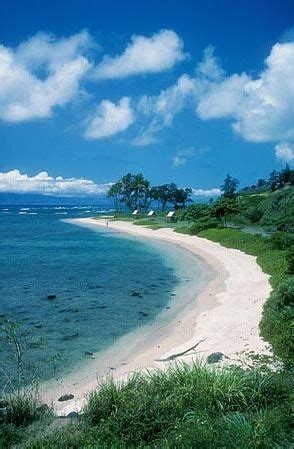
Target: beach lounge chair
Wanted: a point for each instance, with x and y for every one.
(135, 212)
(151, 214)
(171, 215)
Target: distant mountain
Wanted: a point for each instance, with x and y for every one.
(17, 199)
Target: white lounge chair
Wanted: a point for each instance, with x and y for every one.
(135, 212)
(151, 213)
(170, 215)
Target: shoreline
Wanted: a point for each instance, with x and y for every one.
(225, 316)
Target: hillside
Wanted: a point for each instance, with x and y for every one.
(272, 210)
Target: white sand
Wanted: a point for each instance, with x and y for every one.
(226, 315)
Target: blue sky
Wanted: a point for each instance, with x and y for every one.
(181, 91)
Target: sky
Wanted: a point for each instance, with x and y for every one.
(182, 91)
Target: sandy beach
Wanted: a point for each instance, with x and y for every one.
(224, 317)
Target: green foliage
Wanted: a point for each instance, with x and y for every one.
(229, 186)
(181, 197)
(134, 192)
(204, 223)
(275, 180)
(130, 192)
(170, 194)
(270, 209)
(278, 319)
(224, 206)
(194, 212)
(143, 222)
(164, 194)
(253, 214)
(22, 409)
(183, 407)
(278, 209)
(183, 228)
(20, 403)
(282, 240)
(290, 260)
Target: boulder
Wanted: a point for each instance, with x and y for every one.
(216, 357)
(65, 397)
(72, 415)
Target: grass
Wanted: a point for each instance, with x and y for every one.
(272, 261)
(186, 406)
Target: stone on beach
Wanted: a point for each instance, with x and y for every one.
(216, 357)
(65, 397)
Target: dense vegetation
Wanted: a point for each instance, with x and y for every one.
(134, 192)
(185, 407)
(199, 406)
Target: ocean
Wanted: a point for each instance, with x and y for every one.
(103, 285)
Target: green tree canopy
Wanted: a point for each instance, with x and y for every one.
(131, 192)
(229, 186)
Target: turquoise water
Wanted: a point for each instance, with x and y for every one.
(106, 284)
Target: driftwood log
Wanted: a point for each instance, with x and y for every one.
(179, 354)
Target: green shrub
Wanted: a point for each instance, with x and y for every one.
(225, 206)
(204, 223)
(194, 212)
(253, 214)
(290, 260)
(282, 240)
(193, 400)
(22, 409)
(183, 228)
(277, 320)
(182, 407)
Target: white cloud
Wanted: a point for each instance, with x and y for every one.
(162, 108)
(207, 193)
(110, 119)
(210, 67)
(222, 99)
(260, 109)
(143, 55)
(16, 182)
(147, 136)
(40, 74)
(183, 155)
(178, 161)
(285, 151)
(43, 49)
(170, 101)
